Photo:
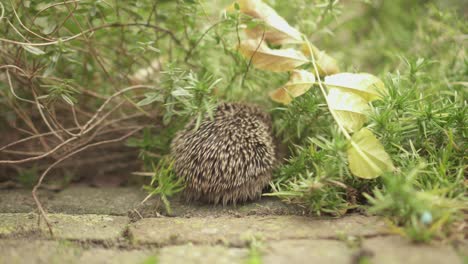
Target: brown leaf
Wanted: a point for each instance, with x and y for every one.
(276, 30)
(276, 60)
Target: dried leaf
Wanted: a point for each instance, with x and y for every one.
(366, 85)
(299, 82)
(281, 95)
(325, 63)
(350, 109)
(276, 60)
(277, 30)
(367, 157)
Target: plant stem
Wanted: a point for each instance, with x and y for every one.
(340, 126)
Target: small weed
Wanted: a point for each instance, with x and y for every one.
(164, 183)
(255, 256)
(28, 177)
(150, 260)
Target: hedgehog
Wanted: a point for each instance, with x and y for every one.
(229, 158)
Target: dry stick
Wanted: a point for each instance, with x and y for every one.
(58, 125)
(23, 130)
(15, 67)
(27, 29)
(52, 5)
(19, 111)
(25, 153)
(29, 138)
(85, 129)
(13, 90)
(251, 58)
(189, 53)
(17, 31)
(135, 87)
(36, 200)
(73, 128)
(170, 33)
(40, 156)
(75, 118)
(39, 107)
(3, 11)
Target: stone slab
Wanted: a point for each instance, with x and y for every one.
(236, 231)
(76, 227)
(193, 254)
(396, 250)
(119, 201)
(180, 208)
(21, 200)
(88, 200)
(307, 251)
(43, 251)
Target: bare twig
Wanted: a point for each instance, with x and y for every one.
(46, 154)
(39, 182)
(167, 31)
(189, 53)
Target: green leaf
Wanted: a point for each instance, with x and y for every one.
(150, 98)
(67, 99)
(367, 157)
(350, 109)
(33, 50)
(366, 85)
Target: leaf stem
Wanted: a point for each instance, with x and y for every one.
(340, 126)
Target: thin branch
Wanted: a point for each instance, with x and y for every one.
(189, 53)
(39, 108)
(39, 182)
(22, 25)
(251, 58)
(85, 127)
(40, 156)
(13, 90)
(61, 40)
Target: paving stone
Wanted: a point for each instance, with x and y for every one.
(21, 200)
(87, 200)
(77, 227)
(396, 250)
(43, 251)
(180, 208)
(307, 251)
(118, 201)
(193, 254)
(235, 231)
(115, 256)
(36, 251)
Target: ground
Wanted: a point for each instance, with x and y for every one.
(108, 225)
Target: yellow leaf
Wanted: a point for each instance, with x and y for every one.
(276, 60)
(366, 85)
(299, 82)
(367, 157)
(325, 63)
(350, 109)
(281, 95)
(277, 30)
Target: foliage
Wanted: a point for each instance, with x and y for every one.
(60, 63)
(164, 183)
(423, 214)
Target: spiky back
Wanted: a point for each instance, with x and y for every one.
(227, 159)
